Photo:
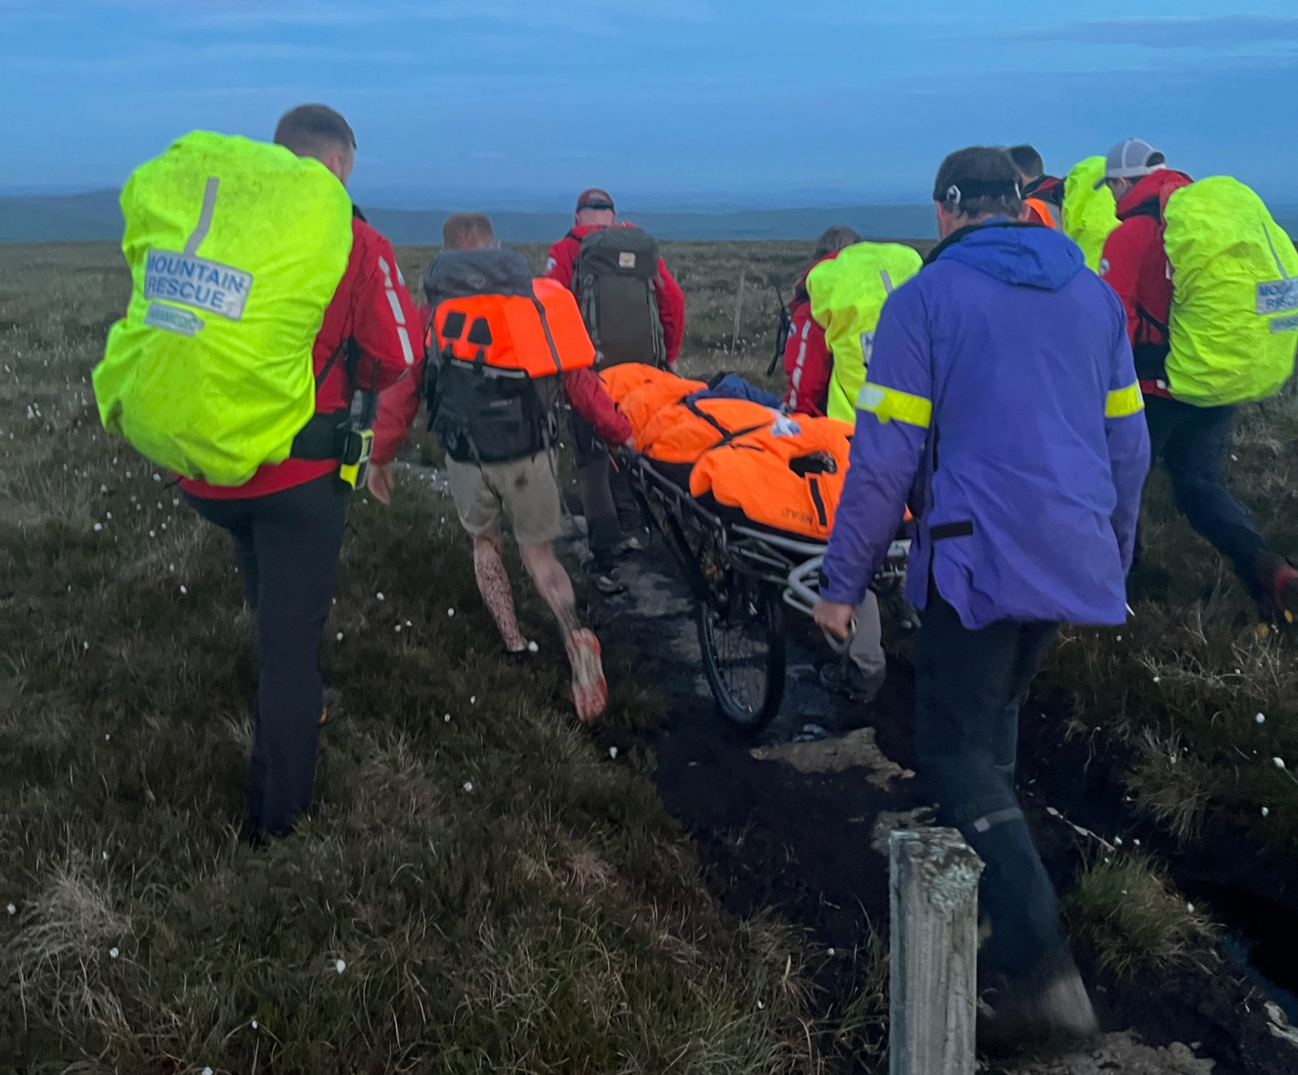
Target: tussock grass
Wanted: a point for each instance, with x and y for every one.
(1126, 908)
(551, 919)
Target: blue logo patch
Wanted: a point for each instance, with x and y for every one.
(172, 319)
(193, 281)
(1277, 296)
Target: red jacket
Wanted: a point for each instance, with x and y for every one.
(371, 306)
(808, 363)
(399, 404)
(671, 299)
(1048, 193)
(1135, 265)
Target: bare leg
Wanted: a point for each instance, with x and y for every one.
(553, 584)
(589, 690)
(493, 584)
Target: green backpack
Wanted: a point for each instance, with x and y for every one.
(236, 248)
(1090, 215)
(1233, 328)
(847, 294)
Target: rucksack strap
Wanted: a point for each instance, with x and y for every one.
(727, 435)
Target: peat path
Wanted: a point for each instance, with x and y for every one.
(802, 827)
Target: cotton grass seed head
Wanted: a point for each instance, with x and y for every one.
(1260, 718)
(468, 785)
(340, 965)
(1279, 762)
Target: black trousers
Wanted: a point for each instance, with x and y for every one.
(288, 545)
(1193, 443)
(968, 686)
(595, 484)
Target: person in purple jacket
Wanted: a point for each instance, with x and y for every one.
(1001, 403)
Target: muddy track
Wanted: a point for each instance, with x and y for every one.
(798, 827)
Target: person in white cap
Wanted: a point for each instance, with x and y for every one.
(1191, 441)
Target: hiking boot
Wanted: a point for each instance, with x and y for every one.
(1279, 579)
(843, 677)
(1021, 1015)
(608, 582)
(589, 689)
(603, 571)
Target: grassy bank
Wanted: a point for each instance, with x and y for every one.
(481, 886)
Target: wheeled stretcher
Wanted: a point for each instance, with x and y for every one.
(743, 576)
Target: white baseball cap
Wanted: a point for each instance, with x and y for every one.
(1129, 159)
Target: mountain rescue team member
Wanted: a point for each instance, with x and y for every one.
(1001, 400)
(287, 520)
(594, 212)
(1043, 195)
(525, 490)
(1191, 441)
(808, 362)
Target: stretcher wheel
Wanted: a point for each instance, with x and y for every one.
(741, 634)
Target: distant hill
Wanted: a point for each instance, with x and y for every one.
(60, 217)
(96, 215)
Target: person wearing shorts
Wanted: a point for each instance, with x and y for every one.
(524, 490)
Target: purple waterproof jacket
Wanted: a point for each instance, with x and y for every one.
(1001, 402)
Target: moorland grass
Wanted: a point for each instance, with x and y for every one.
(480, 886)
(550, 919)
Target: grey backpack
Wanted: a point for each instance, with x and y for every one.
(613, 281)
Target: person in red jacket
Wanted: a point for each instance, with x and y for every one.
(1043, 195)
(595, 210)
(524, 489)
(287, 519)
(808, 362)
(1192, 442)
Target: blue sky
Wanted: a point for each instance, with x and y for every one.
(666, 102)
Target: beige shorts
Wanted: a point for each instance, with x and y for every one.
(525, 489)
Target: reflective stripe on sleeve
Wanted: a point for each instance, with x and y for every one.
(1124, 402)
(887, 404)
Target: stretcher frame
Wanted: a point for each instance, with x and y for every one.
(718, 557)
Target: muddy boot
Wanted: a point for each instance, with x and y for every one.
(843, 677)
(1049, 1006)
(589, 689)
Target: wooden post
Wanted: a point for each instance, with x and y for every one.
(739, 306)
(933, 882)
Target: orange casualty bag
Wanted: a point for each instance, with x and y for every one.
(787, 476)
(682, 432)
(624, 378)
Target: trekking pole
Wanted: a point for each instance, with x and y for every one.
(781, 333)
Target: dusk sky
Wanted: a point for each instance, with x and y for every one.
(669, 102)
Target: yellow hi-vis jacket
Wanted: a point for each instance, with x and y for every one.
(1089, 214)
(847, 294)
(236, 248)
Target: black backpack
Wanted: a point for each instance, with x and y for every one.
(481, 413)
(613, 281)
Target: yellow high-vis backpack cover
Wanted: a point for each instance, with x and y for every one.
(1234, 322)
(236, 249)
(1089, 214)
(847, 294)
